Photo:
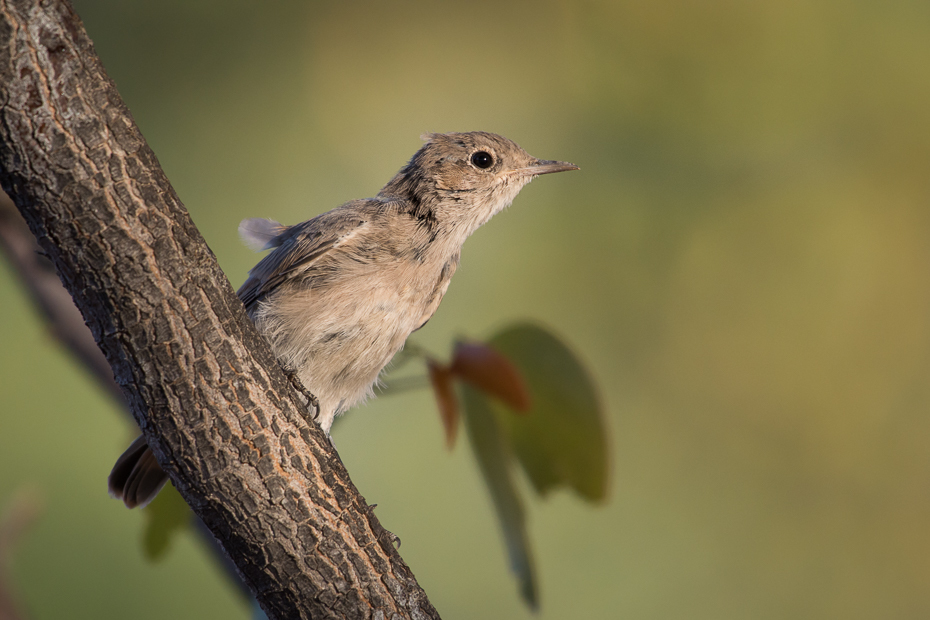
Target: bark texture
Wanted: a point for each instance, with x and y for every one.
(216, 409)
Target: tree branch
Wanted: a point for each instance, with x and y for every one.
(220, 416)
(66, 324)
(38, 276)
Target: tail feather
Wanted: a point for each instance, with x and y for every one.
(136, 477)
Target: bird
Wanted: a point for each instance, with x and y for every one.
(338, 295)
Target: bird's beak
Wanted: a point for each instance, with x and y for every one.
(545, 166)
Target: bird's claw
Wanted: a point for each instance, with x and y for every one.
(394, 538)
(299, 386)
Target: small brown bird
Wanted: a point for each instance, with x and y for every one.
(340, 293)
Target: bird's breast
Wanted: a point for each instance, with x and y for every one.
(340, 334)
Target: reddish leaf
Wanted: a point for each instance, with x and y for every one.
(440, 376)
(487, 370)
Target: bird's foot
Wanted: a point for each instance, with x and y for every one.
(394, 538)
(299, 386)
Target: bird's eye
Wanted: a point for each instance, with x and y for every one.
(482, 159)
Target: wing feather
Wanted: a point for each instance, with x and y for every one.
(298, 247)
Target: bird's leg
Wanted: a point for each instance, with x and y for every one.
(299, 386)
(395, 539)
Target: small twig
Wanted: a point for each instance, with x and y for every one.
(403, 384)
(32, 264)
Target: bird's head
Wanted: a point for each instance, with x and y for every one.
(464, 179)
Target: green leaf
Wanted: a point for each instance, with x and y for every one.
(562, 440)
(494, 459)
(167, 514)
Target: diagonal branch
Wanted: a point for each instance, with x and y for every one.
(55, 303)
(216, 409)
(64, 321)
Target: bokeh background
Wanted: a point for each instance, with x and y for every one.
(743, 262)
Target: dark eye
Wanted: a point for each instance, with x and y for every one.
(482, 159)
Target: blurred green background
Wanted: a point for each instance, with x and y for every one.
(743, 262)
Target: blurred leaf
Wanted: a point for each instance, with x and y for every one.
(563, 438)
(167, 514)
(494, 459)
(441, 379)
(18, 516)
(489, 371)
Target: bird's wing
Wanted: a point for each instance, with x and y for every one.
(298, 247)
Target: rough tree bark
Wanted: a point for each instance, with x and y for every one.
(222, 419)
